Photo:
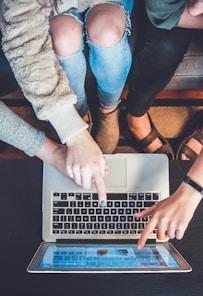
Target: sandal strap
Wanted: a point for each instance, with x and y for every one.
(189, 153)
(198, 136)
(153, 135)
(185, 149)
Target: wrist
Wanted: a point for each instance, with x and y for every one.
(79, 137)
(189, 194)
(192, 183)
(47, 150)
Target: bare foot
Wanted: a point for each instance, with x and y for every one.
(194, 145)
(140, 127)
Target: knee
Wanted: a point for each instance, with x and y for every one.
(171, 51)
(66, 33)
(106, 25)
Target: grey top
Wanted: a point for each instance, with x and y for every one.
(18, 133)
(165, 14)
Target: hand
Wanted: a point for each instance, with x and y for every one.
(86, 164)
(54, 154)
(171, 216)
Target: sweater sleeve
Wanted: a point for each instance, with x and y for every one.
(18, 133)
(27, 45)
(165, 14)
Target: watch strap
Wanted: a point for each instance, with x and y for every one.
(189, 181)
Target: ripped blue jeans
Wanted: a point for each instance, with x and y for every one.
(110, 65)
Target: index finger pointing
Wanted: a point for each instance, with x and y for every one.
(146, 232)
(101, 190)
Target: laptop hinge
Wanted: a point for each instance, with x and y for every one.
(101, 241)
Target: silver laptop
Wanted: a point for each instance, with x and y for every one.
(80, 236)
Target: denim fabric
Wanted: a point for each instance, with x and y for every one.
(110, 66)
(75, 69)
(114, 65)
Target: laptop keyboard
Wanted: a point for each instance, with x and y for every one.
(80, 214)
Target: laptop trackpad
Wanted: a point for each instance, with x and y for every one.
(117, 175)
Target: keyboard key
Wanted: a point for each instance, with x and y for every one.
(141, 196)
(86, 196)
(58, 204)
(56, 218)
(78, 196)
(155, 196)
(132, 196)
(148, 204)
(63, 196)
(82, 225)
(120, 211)
(148, 196)
(57, 225)
(63, 218)
(109, 204)
(69, 211)
(72, 204)
(117, 196)
(58, 211)
(91, 211)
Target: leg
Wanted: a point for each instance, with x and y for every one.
(67, 36)
(107, 39)
(192, 144)
(106, 25)
(155, 60)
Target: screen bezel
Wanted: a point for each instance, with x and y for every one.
(33, 267)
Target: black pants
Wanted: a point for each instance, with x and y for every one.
(157, 54)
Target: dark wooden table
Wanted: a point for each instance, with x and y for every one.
(20, 226)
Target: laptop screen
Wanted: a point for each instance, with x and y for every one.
(107, 258)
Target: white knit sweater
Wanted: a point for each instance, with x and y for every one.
(27, 45)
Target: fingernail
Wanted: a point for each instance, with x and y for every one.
(139, 246)
(102, 203)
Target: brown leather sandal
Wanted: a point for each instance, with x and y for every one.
(185, 149)
(154, 134)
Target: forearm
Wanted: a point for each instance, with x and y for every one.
(186, 193)
(196, 171)
(53, 154)
(195, 7)
(28, 47)
(18, 133)
(187, 20)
